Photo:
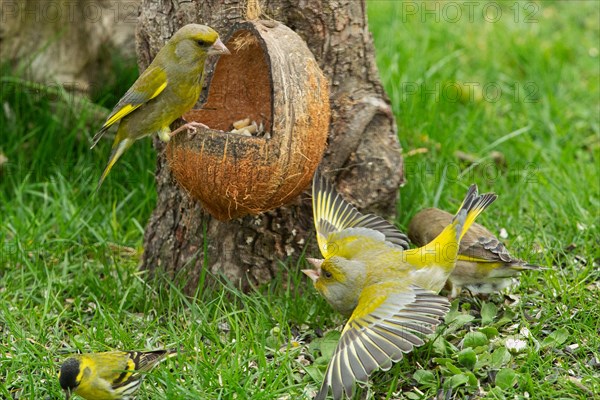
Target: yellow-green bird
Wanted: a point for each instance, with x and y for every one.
(484, 265)
(168, 88)
(113, 375)
(389, 292)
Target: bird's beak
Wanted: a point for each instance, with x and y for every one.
(313, 274)
(218, 48)
(316, 262)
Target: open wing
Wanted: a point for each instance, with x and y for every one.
(333, 214)
(390, 320)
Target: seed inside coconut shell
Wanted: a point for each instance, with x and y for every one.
(273, 80)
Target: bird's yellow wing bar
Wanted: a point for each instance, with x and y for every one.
(149, 85)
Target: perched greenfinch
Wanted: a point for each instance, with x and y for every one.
(483, 265)
(389, 292)
(168, 88)
(112, 375)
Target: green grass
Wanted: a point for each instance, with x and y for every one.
(68, 262)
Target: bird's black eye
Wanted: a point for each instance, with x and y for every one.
(201, 43)
(327, 274)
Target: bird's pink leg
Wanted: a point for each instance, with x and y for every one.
(190, 127)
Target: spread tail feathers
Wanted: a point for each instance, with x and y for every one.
(469, 210)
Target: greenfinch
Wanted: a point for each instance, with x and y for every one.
(168, 88)
(388, 292)
(112, 375)
(483, 265)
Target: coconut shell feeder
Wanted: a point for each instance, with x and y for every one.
(273, 80)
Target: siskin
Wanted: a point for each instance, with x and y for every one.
(112, 375)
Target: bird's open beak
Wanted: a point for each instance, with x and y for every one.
(313, 274)
(218, 48)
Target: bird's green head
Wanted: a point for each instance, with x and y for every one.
(194, 42)
(327, 272)
(339, 280)
(70, 375)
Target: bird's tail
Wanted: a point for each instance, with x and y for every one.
(146, 360)
(469, 210)
(443, 250)
(527, 266)
(118, 149)
(99, 135)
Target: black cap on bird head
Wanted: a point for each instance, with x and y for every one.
(68, 374)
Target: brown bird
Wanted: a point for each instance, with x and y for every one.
(484, 265)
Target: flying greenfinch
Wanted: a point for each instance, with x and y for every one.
(388, 292)
(112, 375)
(483, 265)
(168, 88)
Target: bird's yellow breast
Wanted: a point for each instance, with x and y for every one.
(92, 386)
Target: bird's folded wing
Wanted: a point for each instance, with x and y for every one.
(119, 368)
(149, 85)
(486, 248)
(390, 320)
(481, 246)
(333, 214)
(138, 362)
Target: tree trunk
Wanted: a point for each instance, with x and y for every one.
(363, 154)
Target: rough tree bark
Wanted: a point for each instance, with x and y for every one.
(363, 154)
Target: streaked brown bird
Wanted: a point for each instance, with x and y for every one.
(484, 265)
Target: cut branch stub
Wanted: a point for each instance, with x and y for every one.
(273, 79)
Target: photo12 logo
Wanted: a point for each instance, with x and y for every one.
(484, 169)
(68, 11)
(470, 92)
(469, 11)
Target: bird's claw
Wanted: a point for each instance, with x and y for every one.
(191, 127)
